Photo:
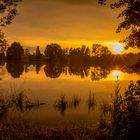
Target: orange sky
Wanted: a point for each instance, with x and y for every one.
(67, 22)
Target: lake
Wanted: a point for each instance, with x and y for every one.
(49, 85)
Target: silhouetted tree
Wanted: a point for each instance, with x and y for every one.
(8, 11)
(15, 52)
(75, 52)
(131, 14)
(87, 52)
(100, 50)
(3, 42)
(2, 56)
(133, 40)
(102, 2)
(82, 53)
(53, 52)
(27, 55)
(3, 45)
(83, 50)
(66, 51)
(38, 54)
(27, 52)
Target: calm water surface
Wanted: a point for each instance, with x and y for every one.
(38, 85)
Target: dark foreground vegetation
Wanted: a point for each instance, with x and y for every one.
(119, 120)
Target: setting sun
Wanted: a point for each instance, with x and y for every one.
(118, 48)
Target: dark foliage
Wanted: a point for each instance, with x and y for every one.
(130, 12)
(15, 52)
(8, 11)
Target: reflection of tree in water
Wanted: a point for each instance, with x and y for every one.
(96, 70)
(15, 69)
(26, 67)
(79, 70)
(38, 65)
(2, 63)
(136, 67)
(53, 70)
(99, 73)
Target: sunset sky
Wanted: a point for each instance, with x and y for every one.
(67, 22)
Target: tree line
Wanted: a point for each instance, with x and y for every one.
(54, 52)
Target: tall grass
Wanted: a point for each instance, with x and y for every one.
(123, 119)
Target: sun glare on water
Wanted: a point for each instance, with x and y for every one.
(116, 73)
(118, 48)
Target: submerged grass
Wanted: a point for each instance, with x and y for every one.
(23, 103)
(91, 101)
(19, 101)
(74, 103)
(62, 104)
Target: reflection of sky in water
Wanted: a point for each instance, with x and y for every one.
(40, 87)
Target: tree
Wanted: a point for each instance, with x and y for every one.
(3, 45)
(38, 54)
(53, 51)
(83, 50)
(15, 52)
(87, 52)
(100, 50)
(102, 2)
(27, 52)
(131, 15)
(3, 42)
(8, 11)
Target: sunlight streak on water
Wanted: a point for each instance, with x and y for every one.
(116, 73)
